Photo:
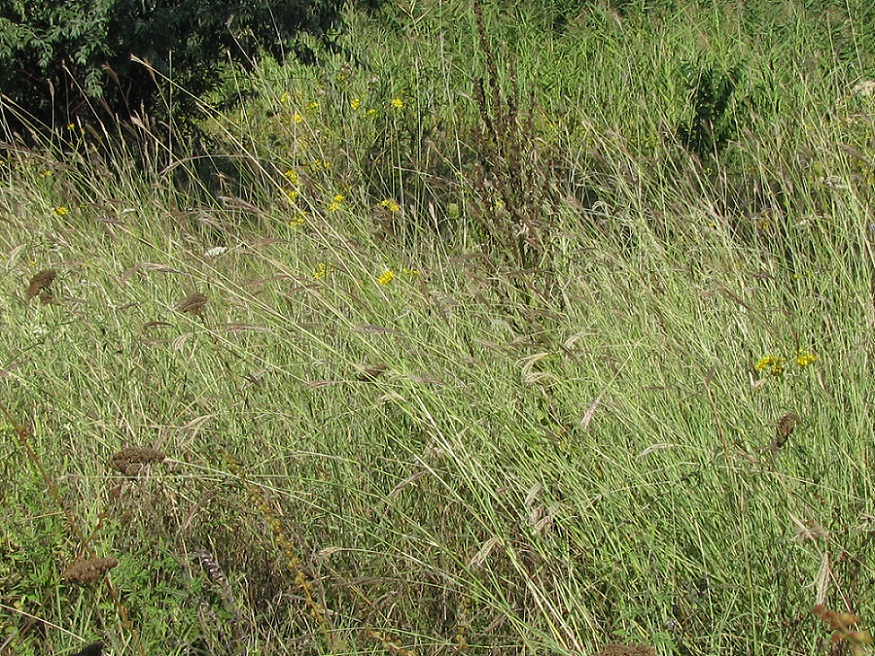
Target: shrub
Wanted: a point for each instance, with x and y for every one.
(714, 121)
(58, 56)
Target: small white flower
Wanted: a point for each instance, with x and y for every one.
(864, 88)
(215, 251)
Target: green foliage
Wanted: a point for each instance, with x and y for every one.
(56, 57)
(712, 97)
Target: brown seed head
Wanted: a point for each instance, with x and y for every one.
(191, 304)
(631, 649)
(42, 280)
(785, 427)
(88, 571)
(370, 374)
(133, 460)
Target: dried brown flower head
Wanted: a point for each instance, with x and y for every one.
(631, 649)
(192, 304)
(94, 649)
(88, 571)
(370, 374)
(132, 460)
(41, 281)
(809, 530)
(785, 427)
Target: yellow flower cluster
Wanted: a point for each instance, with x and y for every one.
(386, 277)
(336, 202)
(770, 364)
(389, 204)
(773, 365)
(322, 270)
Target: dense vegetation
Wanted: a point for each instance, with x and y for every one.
(542, 330)
(80, 60)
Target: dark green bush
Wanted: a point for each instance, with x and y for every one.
(714, 120)
(58, 56)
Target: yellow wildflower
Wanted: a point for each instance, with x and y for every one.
(291, 195)
(389, 204)
(313, 106)
(285, 98)
(410, 272)
(297, 118)
(336, 202)
(397, 103)
(386, 277)
(297, 220)
(355, 103)
(371, 112)
(804, 359)
(61, 211)
(772, 365)
(322, 270)
(292, 176)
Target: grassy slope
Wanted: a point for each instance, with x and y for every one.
(549, 462)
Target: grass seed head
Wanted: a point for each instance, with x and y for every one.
(192, 304)
(370, 374)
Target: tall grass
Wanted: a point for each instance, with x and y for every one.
(387, 431)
